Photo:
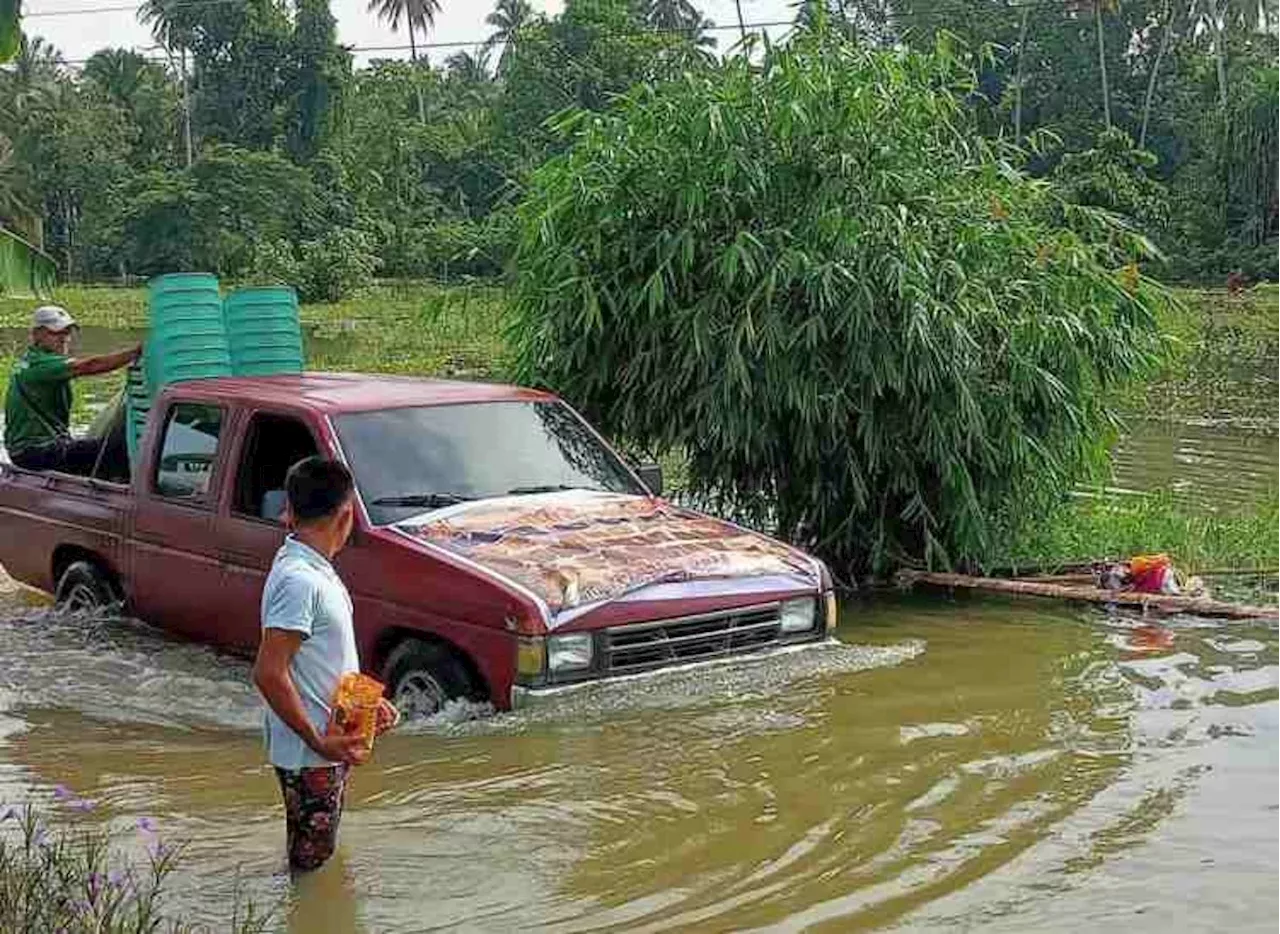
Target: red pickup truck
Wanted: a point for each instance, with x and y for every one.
(502, 548)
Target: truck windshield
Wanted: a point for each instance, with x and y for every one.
(407, 461)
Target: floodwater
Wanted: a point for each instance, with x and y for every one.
(1012, 765)
(1015, 765)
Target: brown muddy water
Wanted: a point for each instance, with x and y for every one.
(1014, 766)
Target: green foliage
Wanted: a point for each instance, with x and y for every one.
(1249, 160)
(867, 330)
(213, 215)
(1115, 175)
(593, 52)
(335, 264)
(1091, 528)
(10, 28)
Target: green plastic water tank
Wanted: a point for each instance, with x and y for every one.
(188, 337)
(137, 405)
(263, 331)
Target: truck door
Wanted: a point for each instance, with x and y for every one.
(177, 573)
(249, 526)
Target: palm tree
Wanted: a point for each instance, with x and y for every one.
(679, 16)
(1102, 63)
(1171, 17)
(1218, 16)
(470, 69)
(671, 15)
(507, 19)
(1022, 75)
(12, 202)
(419, 13)
(31, 79)
(171, 35)
(120, 73)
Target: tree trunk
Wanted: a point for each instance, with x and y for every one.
(1155, 72)
(186, 110)
(1102, 64)
(1017, 103)
(1220, 58)
(742, 26)
(417, 88)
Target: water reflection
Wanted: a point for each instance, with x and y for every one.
(972, 762)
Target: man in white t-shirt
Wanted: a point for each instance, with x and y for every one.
(308, 644)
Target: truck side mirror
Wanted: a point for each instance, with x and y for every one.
(651, 477)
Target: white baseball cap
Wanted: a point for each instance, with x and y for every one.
(52, 318)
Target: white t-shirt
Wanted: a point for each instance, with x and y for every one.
(304, 594)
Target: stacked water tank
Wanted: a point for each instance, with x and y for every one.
(262, 328)
(196, 335)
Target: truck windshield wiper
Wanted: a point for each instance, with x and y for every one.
(423, 500)
(545, 488)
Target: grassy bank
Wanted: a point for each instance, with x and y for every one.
(394, 328)
(1089, 528)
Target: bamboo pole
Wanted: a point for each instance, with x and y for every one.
(1198, 606)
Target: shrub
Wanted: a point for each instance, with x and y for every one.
(868, 331)
(334, 265)
(71, 880)
(1114, 175)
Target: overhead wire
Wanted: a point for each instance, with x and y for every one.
(933, 12)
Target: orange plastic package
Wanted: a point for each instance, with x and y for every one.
(355, 705)
(1147, 572)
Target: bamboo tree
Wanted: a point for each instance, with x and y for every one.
(813, 277)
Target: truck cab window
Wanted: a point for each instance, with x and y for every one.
(273, 444)
(190, 445)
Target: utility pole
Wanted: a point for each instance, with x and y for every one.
(742, 26)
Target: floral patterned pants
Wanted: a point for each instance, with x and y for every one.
(312, 808)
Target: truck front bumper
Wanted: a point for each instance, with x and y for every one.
(523, 698)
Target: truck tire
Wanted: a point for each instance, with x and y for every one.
(422, 677)
(85, 588)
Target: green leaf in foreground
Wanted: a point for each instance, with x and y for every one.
(10, 28)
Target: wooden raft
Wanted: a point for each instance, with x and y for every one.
(1197, 606)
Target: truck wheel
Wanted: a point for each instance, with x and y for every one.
(84, 588)
(423, 676)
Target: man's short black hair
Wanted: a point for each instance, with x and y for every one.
(317, 487)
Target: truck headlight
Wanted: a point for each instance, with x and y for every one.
(830, 610)
(798, 615)
(531, 658)
(570, 652)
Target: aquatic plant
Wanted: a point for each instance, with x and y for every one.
(869, 332)
(73, 880)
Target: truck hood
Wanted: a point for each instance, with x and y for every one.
(578, 549)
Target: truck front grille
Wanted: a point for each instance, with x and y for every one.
(646, 646)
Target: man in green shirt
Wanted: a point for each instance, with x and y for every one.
(37, 407)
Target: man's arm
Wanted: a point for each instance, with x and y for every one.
(106, 363)
(271, 675)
